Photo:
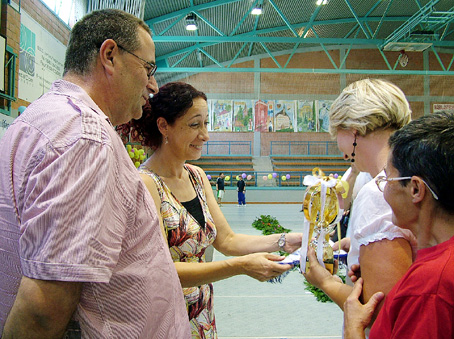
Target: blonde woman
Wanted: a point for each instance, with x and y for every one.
(362, 119)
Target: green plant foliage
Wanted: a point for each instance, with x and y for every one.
(269, 225)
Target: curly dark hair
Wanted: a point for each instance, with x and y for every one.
(172, 101)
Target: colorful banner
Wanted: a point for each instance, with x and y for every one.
(306, 120)
(261, 116)
(322, 109)
(222, 115)
(243, 119)
(285, 116)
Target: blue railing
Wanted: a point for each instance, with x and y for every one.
(304, 148)
(262, 179)
(227, 148)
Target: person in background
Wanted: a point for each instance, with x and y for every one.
(418, 186)
(362, 118)
(241, 188)
(220, 188)
(81, 252)
(175, 126)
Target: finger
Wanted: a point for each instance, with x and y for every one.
(311, 255)
(375, 300)
(283, 267)
(357, 289)
(274, 257)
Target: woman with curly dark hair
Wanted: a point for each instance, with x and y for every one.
(174, 125)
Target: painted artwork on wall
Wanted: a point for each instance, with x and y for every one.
(284, 116)
(322, 110)
(306, 118)
(222, 115)
(270, 118)
(243, 119)
(269, 115)
(261, 116)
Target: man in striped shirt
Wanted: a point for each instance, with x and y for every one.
(81, 252)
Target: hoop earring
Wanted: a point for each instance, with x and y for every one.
(354, 149)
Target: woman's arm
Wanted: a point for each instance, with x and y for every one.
(382, 264)
(151, 186)
(260, 266)
(230, 243)
(332, 285)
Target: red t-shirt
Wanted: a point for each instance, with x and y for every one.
(421, 304)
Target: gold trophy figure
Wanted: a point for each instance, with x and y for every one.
(321, 207)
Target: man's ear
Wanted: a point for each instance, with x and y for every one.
(107, 52)
(418, 189)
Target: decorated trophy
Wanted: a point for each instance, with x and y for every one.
(321, 210)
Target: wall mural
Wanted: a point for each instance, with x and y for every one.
(243, 119)
(269, 115)
(222, 115)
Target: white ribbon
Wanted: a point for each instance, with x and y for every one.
(304, 243)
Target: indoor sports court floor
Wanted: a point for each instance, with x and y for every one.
(246, 308)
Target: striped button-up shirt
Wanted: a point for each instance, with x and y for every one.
(73, 208)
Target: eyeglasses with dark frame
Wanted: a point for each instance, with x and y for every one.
(382, 180)
(153, 66)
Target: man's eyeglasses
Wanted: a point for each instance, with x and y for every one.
(151, 70)
(382, 180)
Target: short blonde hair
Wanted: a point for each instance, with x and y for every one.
(368, 105)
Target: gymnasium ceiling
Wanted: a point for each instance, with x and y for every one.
(228, 33)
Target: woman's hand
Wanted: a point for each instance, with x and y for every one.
(356, 315)
(317, 275)
(344, 245)
(263, 266)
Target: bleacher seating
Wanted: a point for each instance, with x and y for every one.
(231, 165)
(306, 163)
(295, 167)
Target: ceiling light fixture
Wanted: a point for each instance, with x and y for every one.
(257, 10)
(322, 2)
(191, 22)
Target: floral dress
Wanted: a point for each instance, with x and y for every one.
(187, 242)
